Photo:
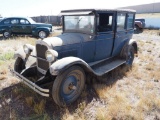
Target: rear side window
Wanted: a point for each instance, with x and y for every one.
(7, 21)
(130, 21)
(121, 21)
(14, 21)
(23, 21)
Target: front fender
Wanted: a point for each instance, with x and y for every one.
(20, 53)
(64, 63)
(28, 61)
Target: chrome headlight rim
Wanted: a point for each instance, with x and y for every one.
(51, 55)
(28, 48)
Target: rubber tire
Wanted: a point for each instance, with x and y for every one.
(43, 33)
(19, 65)
(130, 56)
(9, 34)
(56, 90)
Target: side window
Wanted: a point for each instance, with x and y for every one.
(121, 21)
(105, 22)
(23, 21)
(14, 21)
(7, 21)
(130, 21)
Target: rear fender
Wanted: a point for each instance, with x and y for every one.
(133, 43)
(124, 51)
(64, 63)
(38, 29)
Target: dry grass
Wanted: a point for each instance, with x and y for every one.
(2, 77)
(29, 101)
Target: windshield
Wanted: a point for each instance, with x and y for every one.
(83, 24)
(1, 19)
(31, 20)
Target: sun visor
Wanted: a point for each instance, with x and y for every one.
(76, 13)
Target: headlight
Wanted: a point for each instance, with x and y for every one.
(27, 48)
(51, 55)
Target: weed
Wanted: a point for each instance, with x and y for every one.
(101, 114)
(82, 106)
(6, 56)
(39, 108)
(29, 101)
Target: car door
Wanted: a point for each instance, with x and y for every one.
(14, 26)
(105, 35)
(122, 34)
(25, 26)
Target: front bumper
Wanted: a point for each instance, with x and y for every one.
(32, 85)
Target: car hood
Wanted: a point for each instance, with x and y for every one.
(64, 39)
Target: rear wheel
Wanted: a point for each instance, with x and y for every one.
(19, 65)
(130, 55)
(68, 86)
(6, 34)
(42, 34)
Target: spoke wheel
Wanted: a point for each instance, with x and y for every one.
(68, 86)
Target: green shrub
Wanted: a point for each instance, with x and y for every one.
(6, 56)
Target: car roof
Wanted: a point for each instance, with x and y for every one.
(99, 10)
(16, 17)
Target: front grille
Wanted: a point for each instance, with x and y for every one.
(41, 50)
(43, 64)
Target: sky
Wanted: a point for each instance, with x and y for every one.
(29, 8)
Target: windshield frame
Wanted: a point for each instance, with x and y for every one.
(80, 31)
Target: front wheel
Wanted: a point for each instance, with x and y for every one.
(68, 86)
(19, 65)
(6, 34)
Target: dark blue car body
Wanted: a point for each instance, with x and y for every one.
(23, 26)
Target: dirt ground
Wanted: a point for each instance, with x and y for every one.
(128, 93)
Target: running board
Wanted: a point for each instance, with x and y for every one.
(107, 66)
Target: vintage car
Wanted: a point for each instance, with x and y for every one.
(139, 25)
(93, 42)
(23, 26)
